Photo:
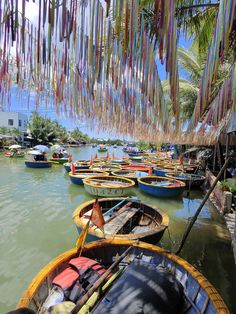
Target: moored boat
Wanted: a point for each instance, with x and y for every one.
(161, 187)
(137, 158)
(38, 164)
(136, 167)
(108, 167)
(60, 161)
(126, 218)
(162, 171)
(108, 185)
(78, 176)
(130, 174)
(102, 149)
(79, 165)
(165, 282)
(191, 180)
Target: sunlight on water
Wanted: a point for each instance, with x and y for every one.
(36, 207)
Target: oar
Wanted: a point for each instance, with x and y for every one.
(99, 282)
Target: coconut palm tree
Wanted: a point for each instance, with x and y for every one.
(191, 64)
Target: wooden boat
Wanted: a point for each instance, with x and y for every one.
(139, 167)
(121, 162)
(162, 171)
(108, 167)
(191, 180)
(102, 149)
(126, 218)
(60, 161)
(130, 174)
(161, 187)
(14, 154)
(138, 278)
(38, 164)
(137, 158)
(79, 165)
(79, 175)
(108, 185)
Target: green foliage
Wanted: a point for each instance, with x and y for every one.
(224, 185)
(233, 189)
(79, 136)
(42, 129)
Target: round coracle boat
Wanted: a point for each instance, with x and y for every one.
(191, 180)
(78, 176)
(79, 165)
(119, 276)
(163, 171)
(38, 164)
(138, 167)
(130, 174)
(108, 185)
(60, 161)
(108, 167)
(126, 218)
(161, 187)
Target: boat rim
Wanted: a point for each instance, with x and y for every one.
(182, 184)
(131, 182)
(77, 219)
(78, 172)
(212, 293)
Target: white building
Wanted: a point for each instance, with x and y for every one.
(14, 120)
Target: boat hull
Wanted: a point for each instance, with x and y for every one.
(107, 192)
(38, 164)
(67, 167)
(76, 179)
(197, 288)
(102, 150)
(60, 161)
(191, 180)
(108, 186)
(160, 191)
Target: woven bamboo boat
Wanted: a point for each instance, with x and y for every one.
(191, 180)
(78, 176)
(137, 279)
(38, 164)
(130, 174)
(60, 161)
(108, 186)
(126, 218)
(79, 165)
(161, 187)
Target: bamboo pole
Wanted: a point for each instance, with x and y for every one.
(226, 152)
(99, 282)
(201, 206)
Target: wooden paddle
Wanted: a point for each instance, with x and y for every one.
(99, 282)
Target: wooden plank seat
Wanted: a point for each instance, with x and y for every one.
(117, 223)
(140, 229)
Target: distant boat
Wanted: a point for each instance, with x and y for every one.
(126, 218)
(60, 161)
(161, 187)
(38, 164)
(139, 275)
(94, 145)
(79, 165)
(108, 186)
(102, 149)
(114, 146)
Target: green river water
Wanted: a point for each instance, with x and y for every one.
(36, 207)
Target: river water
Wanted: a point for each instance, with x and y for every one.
(36, 225)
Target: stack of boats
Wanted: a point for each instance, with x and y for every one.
(117, 272)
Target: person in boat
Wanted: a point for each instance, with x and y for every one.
(55, 155)
(61, 154)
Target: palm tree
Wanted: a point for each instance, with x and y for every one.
(192, 62)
